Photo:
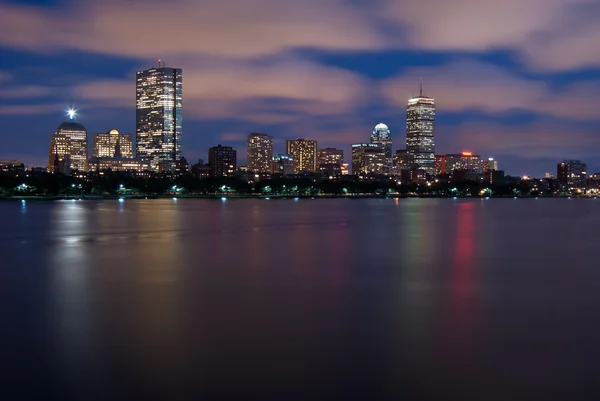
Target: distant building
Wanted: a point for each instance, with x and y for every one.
(368, 158)
(571, 174)
(463, 161)
(11, 166)
(260, 152)
(489, 165)
(403, 159)
(440, 164)
(330, 156)
(104, 144)
(304, 154)
(420, 131)
(282, 164)
(222, 160)
(70, 139)
(116, 162)
(158, 116)
(201, 170)
(381, 136)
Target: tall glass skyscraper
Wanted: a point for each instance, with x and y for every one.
(382, 137)
(158, 117)
(420, 132)
(68, 146)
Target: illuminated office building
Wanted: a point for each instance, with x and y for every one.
(440, 164)
(381, 136)
(222, 161)
(68, 148)
(420, 131)
(463, 161)
(105, 144)
(304, 154)
(571, 174)
(158, 116)
(368, 158)
(330, 156)
(260, 152)
(403, 159)
(282, 164)
(116, 161)
(489, 165)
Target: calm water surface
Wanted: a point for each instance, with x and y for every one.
(410, 299)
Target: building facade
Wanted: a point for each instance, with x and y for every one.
(403, 159)
(158, 116)
(420, 132)
(440, 164)
(382, 136)
(282, 164)
(260, 152)
(489, 165)
(104, 144)
(222, 161)
(463, 161)
(304, 154)
(327, 156)
(70, 139)
(571, 174)
(368, 158)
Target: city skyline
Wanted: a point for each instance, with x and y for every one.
(498, 91)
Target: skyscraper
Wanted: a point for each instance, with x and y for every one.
(68, 145)
(382, 137)
(368, 158)
(304, 154)
(260, 152)
(489, 165)
(158, 116)
(420, 131)
(105, 144)
(571, 174)
(222, 160)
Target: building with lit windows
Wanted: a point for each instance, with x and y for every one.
(463, 161)
(158, 116)
(440, 164)
(330, 156)
(304, 154)
(282, 164)
(489, 165)
(368, 158)
(403, 159)
(420, 132)
(104, 144)
(571, 174)
(117, 162)
(260, 152)
(382, 136)
(70, 139)
(222, 161)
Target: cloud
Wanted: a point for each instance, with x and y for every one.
(464, 86)
(227, 27)
(26, 92)
(29, 109)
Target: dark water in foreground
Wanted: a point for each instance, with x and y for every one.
(416, 299)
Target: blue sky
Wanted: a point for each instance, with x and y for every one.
(517, 80)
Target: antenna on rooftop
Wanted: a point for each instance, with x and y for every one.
(421, 88)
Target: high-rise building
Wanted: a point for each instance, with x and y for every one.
(282, 164)
(304, 154)
(105, 144)
(70, 139)
(368, 158)
(158, 116)
(571, 174)
(260, 152)
(463, 161)
(440, 164)
(330, 156)
(489, 165)
(222, 161)
(420, 131)
(381, 136)
(403, 159)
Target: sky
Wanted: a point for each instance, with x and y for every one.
(517, 80)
